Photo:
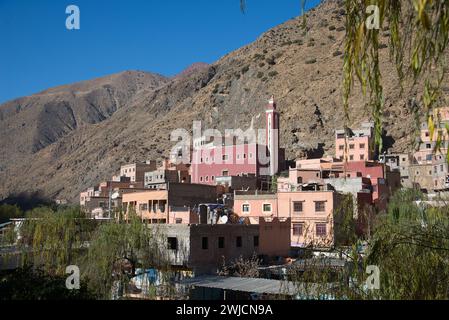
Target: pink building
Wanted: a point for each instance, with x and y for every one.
(311, 212)
(355, 145)
(212, 159)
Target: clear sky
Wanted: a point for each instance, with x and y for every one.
(163, 36)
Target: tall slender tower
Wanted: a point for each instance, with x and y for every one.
(272, 135)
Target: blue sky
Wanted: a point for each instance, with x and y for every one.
(38, 52)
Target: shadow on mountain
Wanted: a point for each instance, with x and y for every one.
(28, 200)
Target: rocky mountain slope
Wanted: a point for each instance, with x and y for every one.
(65, 139)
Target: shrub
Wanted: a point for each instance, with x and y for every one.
(259, 74)
(311, 61)
(245, 69)
(273, 73)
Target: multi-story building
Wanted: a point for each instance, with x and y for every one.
(136, 171)
(159, 179)
(311, 210)
(355, 145)
(399, 162)
(107, 196)
(212, 159)
(428, 170)
(178, 203)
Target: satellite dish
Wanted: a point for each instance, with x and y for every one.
(115, 195)
(223, 220)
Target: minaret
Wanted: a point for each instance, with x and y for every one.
(272, 135)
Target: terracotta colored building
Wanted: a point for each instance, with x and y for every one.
(176, 204)
(203, 248)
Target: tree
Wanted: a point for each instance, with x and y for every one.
(116, 251)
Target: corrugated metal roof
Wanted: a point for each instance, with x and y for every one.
(252, 285)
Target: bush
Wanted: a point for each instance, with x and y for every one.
(245, 69)
(8, 211)
(273, 73)
(311, 61)
(259, 74)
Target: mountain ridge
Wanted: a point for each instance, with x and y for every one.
(302, 69)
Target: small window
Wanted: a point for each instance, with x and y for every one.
(205, 243)
(362, 146)
(172, 243)
(299, 180)
(297, 206)
(341, 147)
(225, 157)
(362, 157)
(201, 179)
(207, 178)
(256, 241)
(212, 178)
(178, 221)
(250, 155)
(320, 229)
(320, 206)
(221, 242)
(441, 168)
(428, 145)
(238, 242)
(298, 229)
(351, 146)
(351, 157)
(427, 133)
(267, 207)
(225, 173)
(245, 208)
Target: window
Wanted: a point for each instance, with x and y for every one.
(351, 157)
(250, 155)
(238, 156)
(341, 147)
(320, 229)
(221, 242)
(225, 173)
(172, 243)
(212, 178)
(351, 146)
(435, 169)
(238, 242)
(297, 206)
(362, 157)
(428, 145)
(441, 168)
(267, 207)
(244, 156)
(143, 207)
(225, 157)
(298, 229)
(207, 178)
(362, 146)
(205, 243)
(256, 241)
(245, 208)
(427, 133)
(178, 220)
(299, 180)
(320, 206)
(201, 179)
